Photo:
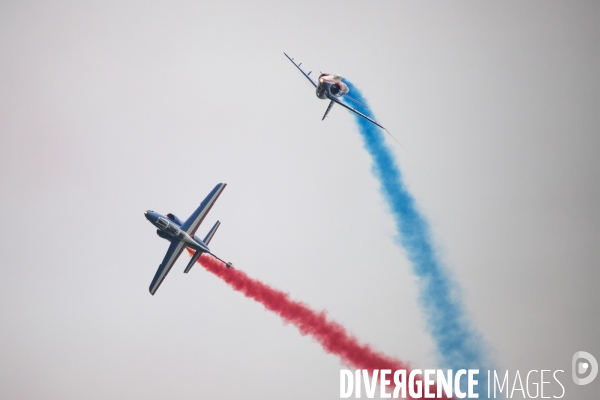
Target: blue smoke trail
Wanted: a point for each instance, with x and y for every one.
(458, 345)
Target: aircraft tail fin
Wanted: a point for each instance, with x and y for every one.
(211, 233)
(327, 111)
(193, 261)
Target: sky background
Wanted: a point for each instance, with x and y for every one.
(108, 110)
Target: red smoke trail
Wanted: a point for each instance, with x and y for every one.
(329, 334)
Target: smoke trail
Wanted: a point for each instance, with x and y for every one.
(329, 334)
(458, 345)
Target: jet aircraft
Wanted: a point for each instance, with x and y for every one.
(182, 235)
(331, 87)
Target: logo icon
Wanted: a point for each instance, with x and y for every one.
(585, 368)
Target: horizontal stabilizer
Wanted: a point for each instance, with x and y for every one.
(211, 233)
(193, 261)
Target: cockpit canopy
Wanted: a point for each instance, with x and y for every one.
(162, 223)
(324, 77)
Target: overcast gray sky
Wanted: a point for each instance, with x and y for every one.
(110, 109)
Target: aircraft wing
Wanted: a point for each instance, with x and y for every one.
(193, 222)
(301, 70)
(173, 253)
(354, 110)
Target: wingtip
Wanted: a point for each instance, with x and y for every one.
(394, 137)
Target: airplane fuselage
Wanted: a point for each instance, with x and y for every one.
(331, 86)
(171, 230)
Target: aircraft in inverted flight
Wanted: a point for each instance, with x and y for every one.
(182, 235)
(331, 87)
